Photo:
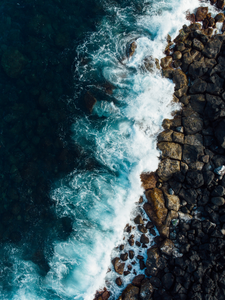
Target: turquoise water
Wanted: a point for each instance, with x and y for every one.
(79, 189)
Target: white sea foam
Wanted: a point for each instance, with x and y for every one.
(122, 139)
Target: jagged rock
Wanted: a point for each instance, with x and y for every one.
(197, 68)
(197, 45)
(138, 280)
(152, 263)
(131, 292)
(201, 13)
(192, 153)
(155, 208)
(198, 86)
(138, 220)
(166, 62)
(212, 48)
(195, 178)
(218, 201)
(181, 92)
(220, 133)
(146, 290)
(183, 35)
(144, 239)
(192, 125)
(148, 180)
(119, 281)
(132, 48)
(180, 79)
(178, 137)
(189, 195)
(168, 280)
(198, 103)
(219, 17)
(214, 108)
(194, 140)
(165, 136)
(215, 86)
(220, 4)
(118, 266)
(171, 150)
(90, 101)
(167, 247)
(172, 201)
(167, 167)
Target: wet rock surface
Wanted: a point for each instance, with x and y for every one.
(187, 258)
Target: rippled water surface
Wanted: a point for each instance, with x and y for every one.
(70, 179)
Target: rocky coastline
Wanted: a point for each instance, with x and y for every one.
(185, 197)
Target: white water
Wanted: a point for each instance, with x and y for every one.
(122, 138)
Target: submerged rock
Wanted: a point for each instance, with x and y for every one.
(89, 101)
(13, 62)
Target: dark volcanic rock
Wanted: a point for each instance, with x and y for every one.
(212, 48)
(168, 280)
(214, 107)
(198, 103)
(152, 263)
(195, 178)
(218, 191)
(198, 86)
(192, 124)
(189, 195)
(197, 69)
(131, 292)
(220, 133)
(146, 290)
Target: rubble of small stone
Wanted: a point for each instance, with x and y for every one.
(185, 197)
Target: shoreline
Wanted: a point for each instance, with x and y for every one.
(185, 196)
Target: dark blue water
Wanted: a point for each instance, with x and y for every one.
(69, 179)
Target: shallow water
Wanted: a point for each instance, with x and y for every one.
(89, 207)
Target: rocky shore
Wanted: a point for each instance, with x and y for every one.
(185, 197)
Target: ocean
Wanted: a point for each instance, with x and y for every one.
(70, 179)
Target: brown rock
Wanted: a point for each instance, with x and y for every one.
(178, 137)
(167, 167)
(131, 292)
(152, 263)
(177, 55)
(166, 62)
(146, 290)
(171, 150)
(190, 17)
(223, 27)
(220, 4)
(118, 266)
(90, 101)
(138, 279)
(172, 201)
(183, 35)
(144, 239)
(180, 79)
(156, 209)
(180, 46)
(198, 45)
(148, 180)
(201, 13)
(119, 281)
(133, 47)
(138, 220)
(168, 72)
(219, 17)
(165, 136)
(167, 247)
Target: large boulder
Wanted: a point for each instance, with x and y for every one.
(220, 133)
(131, 292)
(194, 178)
(168, 167)
(212, 48)
(148, 180)
(192, 124)
(215, 107)
(198, 103)
(180, 79)
(191, 153)
(118, 266)
(172, 201)
(197, 68)
(166, 62)
(156, 209)
(201, 13)
(198, 86)
(171, 150)
(153, 261)
(146, 290)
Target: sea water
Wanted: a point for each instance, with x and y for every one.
(119, 136)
